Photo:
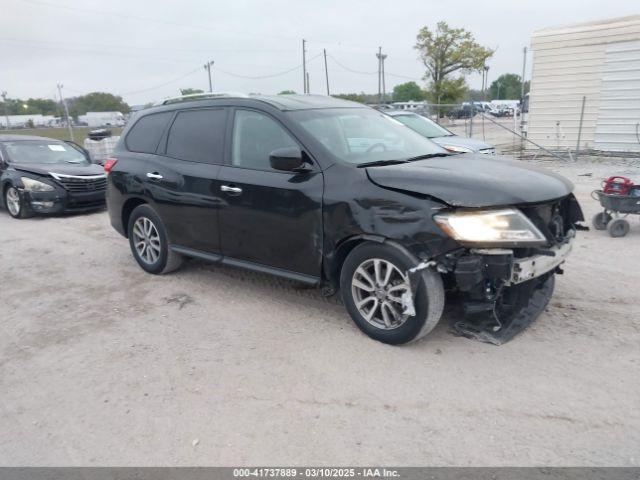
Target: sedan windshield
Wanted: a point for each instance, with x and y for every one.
(424, 126)
(363, 135)
(43, 151)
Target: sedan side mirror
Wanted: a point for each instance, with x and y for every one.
(288, 159)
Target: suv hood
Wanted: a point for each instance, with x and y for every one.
(46, 168)
(473, 180)
(456, 141)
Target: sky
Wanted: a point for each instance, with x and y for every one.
(146, 50)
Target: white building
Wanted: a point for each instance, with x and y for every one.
(410, 105)
(598, 61)
(22, 121)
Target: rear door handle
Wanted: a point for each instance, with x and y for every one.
(154, 176)
(233, 190)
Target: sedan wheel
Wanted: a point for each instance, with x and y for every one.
(14, 203)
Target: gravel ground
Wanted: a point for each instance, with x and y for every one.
(102, 364)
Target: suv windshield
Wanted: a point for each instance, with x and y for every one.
(423, 126)
(363, 135)
(42, 151)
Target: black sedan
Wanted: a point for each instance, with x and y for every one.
(44, 176)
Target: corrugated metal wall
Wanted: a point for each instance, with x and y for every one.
(568, 64)
(618, 123)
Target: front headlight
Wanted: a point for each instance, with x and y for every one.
(454, 148)
(32, 185)
(506, 227)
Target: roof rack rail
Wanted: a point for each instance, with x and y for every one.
(200, 96)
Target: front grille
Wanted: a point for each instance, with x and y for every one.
(82, 184)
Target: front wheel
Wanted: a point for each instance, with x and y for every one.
(618, 227)
(377, 291)
(600, 220)
(14, 203)
(149, 242)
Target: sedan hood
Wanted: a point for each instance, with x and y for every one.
(63, 169)
(456, 141)
(473, 180)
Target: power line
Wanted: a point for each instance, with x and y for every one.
(162, 84)
(260, 77)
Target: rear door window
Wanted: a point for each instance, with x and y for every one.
(198, 135)
(146, 133)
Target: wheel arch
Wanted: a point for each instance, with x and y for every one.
(127, 208)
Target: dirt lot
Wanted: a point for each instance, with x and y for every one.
(102, 364)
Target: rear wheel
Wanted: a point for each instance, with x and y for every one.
(618, 227)
(600, 220)
(14, 203)
(149, 242)
(377, 293)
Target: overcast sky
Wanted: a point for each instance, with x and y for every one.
(146, 50)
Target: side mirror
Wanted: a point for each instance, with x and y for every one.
(288, 159)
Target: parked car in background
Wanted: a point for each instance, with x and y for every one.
(335, 194)
(440, 135)
(40, 175)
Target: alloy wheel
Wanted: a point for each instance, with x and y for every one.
(146, 240)
(13, 201)
(377, 287)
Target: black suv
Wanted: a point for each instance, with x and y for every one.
(335, 194)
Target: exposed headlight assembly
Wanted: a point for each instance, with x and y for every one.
(32, 185)
(455, 148)
(506, 227)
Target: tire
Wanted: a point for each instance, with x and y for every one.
(618, 227)
(600, 220)
(145, 226)
(389, 327)
(14, 203)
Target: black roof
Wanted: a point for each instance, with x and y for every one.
(13, 138)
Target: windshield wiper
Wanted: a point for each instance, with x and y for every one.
(428, 155)
(381, 163)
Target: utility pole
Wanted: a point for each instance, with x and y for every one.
(207, 67)
(6, 107)
(384, 88)
(379, 55)
(326, 70)
(305, 77)
(486, 83)
(381, 84)
(66, 111)
(308, 84)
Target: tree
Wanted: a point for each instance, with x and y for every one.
(354, 97)
(96, 102)
(447, 51)
(507, 86)
(408, 91)
(287, 92)
(190, 91)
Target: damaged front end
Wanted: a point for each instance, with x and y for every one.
(503, 289)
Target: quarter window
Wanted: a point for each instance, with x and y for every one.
(198, 135)
(145, 134)
(255, 136)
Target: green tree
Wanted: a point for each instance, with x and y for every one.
(287, 92)
(446, 51)
(408, 91)
(96, 102)
(507, 86)
(190, 91)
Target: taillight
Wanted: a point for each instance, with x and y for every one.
(109, 164)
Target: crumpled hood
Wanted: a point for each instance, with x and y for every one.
(456, 141)
(46, 168)
(473, 180)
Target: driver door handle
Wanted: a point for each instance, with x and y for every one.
(232, 190)
(154, 176)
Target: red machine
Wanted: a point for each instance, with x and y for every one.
(617, 186)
